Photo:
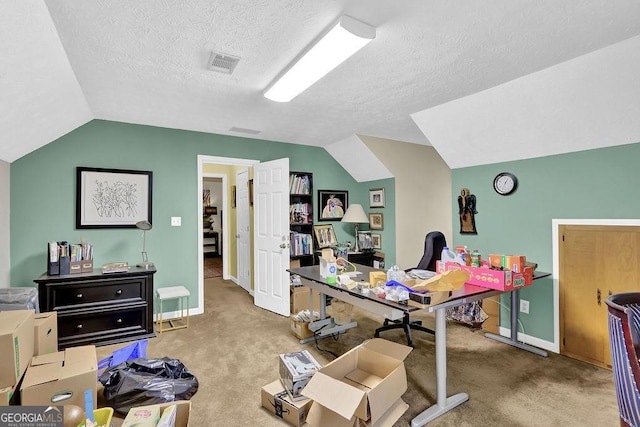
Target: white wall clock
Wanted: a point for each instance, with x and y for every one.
(505, 183)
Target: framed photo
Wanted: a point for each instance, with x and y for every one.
(112, 198)
(364, 240)
(325, 236)
(376, 198)
(376, 240)
(375, 221)
(332, 204)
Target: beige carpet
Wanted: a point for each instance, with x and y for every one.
(212, 267)
(233, 350)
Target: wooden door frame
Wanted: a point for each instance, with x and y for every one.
(555, 231)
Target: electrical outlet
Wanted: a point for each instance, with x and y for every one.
(524, 306)
(176, 221)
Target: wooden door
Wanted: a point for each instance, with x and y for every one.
(595, 261)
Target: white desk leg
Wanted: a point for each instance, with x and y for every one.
(443, 403)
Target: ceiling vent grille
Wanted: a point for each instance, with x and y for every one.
(222, 62)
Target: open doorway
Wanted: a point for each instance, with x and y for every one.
(212, 209)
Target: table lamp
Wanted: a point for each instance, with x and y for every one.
(355, 214)
(144, 226)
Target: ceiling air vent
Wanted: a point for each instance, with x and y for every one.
(222, 62)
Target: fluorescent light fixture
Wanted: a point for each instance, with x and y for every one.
(344, 39)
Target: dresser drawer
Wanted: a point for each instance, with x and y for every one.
(79, 294)
(93, 323)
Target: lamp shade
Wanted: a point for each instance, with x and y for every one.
(143, 225)
(355, 214)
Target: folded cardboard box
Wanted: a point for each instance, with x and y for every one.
(276, 400)
(16, 342)
(183, 412)
(296, 369)
(362, 385)
(61, 378)
(46, 333)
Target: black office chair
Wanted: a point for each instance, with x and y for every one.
(434, 242)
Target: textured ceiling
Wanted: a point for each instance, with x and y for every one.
(65, 62)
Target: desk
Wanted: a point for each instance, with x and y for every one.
(440, 301)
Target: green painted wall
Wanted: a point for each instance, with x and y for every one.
(594, 184)
(43, 194)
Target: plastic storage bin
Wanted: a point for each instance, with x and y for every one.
(101, 416)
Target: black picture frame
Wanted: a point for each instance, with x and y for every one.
(335, 210)
(112, 198)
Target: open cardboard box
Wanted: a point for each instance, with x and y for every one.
(363, 384)
(61, 378)
(16, 342)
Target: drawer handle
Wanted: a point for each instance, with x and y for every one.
(119, 321)
(79, 295)
(119, 292)
(79, 326)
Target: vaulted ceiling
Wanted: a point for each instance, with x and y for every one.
(506, 79)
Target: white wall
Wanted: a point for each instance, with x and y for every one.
(423, 194)
(4, 224)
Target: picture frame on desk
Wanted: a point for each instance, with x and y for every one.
(112, 198)
(376, 240)
(325, 236)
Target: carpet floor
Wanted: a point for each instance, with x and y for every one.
(212, 267)
(233, 351)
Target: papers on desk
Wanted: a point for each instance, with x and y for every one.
(422, 274)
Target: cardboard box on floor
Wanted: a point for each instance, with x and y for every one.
(299, 299)
(363, 385)
(16, 342)
(183, 412)
(276, 401)
(46, 333)
(61, 378)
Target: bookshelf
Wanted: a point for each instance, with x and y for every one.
(301, 217)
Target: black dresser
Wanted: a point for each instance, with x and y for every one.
(100, 309)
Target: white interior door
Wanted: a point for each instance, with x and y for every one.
(244, 230)
(271, 235)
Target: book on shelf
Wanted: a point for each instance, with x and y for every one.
(301, 244)
(299, 184)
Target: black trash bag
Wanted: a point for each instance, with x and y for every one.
(141, 382)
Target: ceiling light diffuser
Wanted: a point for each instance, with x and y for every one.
(344, 39)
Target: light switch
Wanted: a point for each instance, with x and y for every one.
(176, 221)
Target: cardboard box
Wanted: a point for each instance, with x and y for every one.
(296, 369)
(300, 329)
(16, 342)
(361, 385)
(299, 299)
(45, 333)
(323, 417)
(502, 280)
(61, 378)
(183, 412)
(5, 395)
(276, 401)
